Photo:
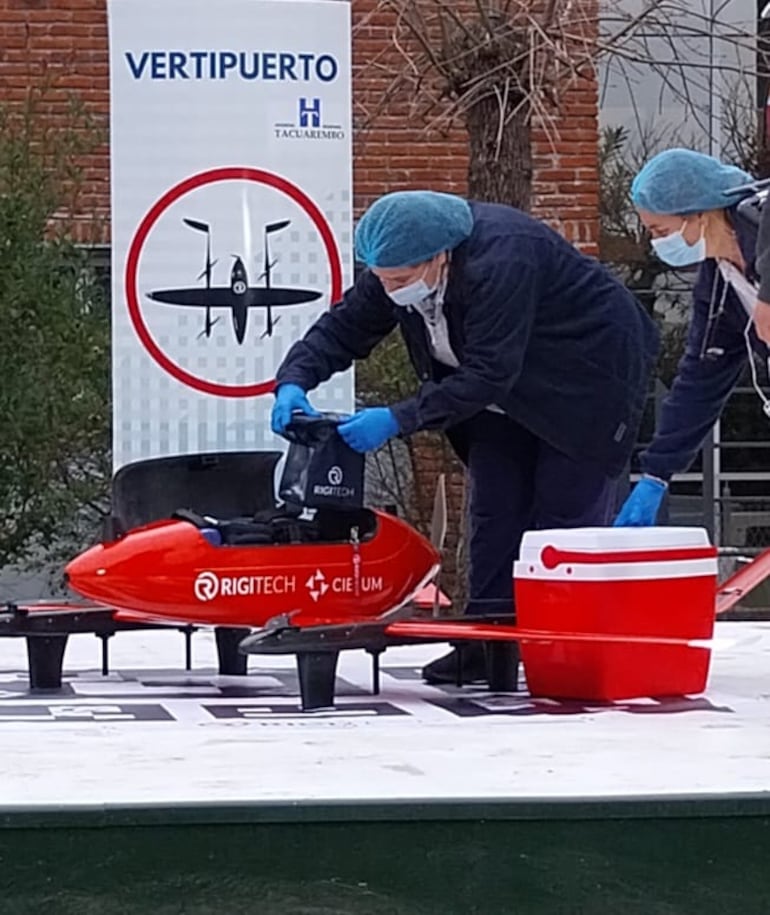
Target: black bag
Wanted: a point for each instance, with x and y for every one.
(321, 471)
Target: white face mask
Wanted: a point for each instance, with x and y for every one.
(411, 294)
(418, 290)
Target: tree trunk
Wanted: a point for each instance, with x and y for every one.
(500, 162)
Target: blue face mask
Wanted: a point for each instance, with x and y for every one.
(674, 250)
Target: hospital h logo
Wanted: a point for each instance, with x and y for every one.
(310, 112)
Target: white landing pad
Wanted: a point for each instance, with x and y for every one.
(152, 733)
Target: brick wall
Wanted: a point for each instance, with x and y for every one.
(63, 44)
(394, 152)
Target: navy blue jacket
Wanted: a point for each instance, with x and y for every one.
(714, 357)
(539, 329)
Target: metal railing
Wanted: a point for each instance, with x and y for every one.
(727, 491)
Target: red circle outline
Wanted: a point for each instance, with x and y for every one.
(145, 227)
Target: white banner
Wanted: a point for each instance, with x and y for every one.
(231, 212)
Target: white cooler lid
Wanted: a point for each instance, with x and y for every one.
(609, 539)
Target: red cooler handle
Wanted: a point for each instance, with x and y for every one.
(551, 556)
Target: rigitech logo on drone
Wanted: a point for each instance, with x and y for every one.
(208, 585)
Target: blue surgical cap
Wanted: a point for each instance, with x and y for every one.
(682, 181)
(408, 227)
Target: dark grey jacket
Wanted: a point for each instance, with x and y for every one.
(762, 265)
(539, 329)
(714, 357)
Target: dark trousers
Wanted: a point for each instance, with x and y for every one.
(517, 483)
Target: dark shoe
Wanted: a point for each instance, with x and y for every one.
(473, 666)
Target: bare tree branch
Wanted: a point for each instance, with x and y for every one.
(515, 60)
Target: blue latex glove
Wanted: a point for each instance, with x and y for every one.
(289, 398)
(641, 508)
(368, 429)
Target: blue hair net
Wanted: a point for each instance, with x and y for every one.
(681, 181)
(408, 227)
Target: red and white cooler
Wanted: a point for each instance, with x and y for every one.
(649, 581)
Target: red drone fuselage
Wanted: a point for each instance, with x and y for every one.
(170, 571)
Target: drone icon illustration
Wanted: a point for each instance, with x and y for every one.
(239, 296)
